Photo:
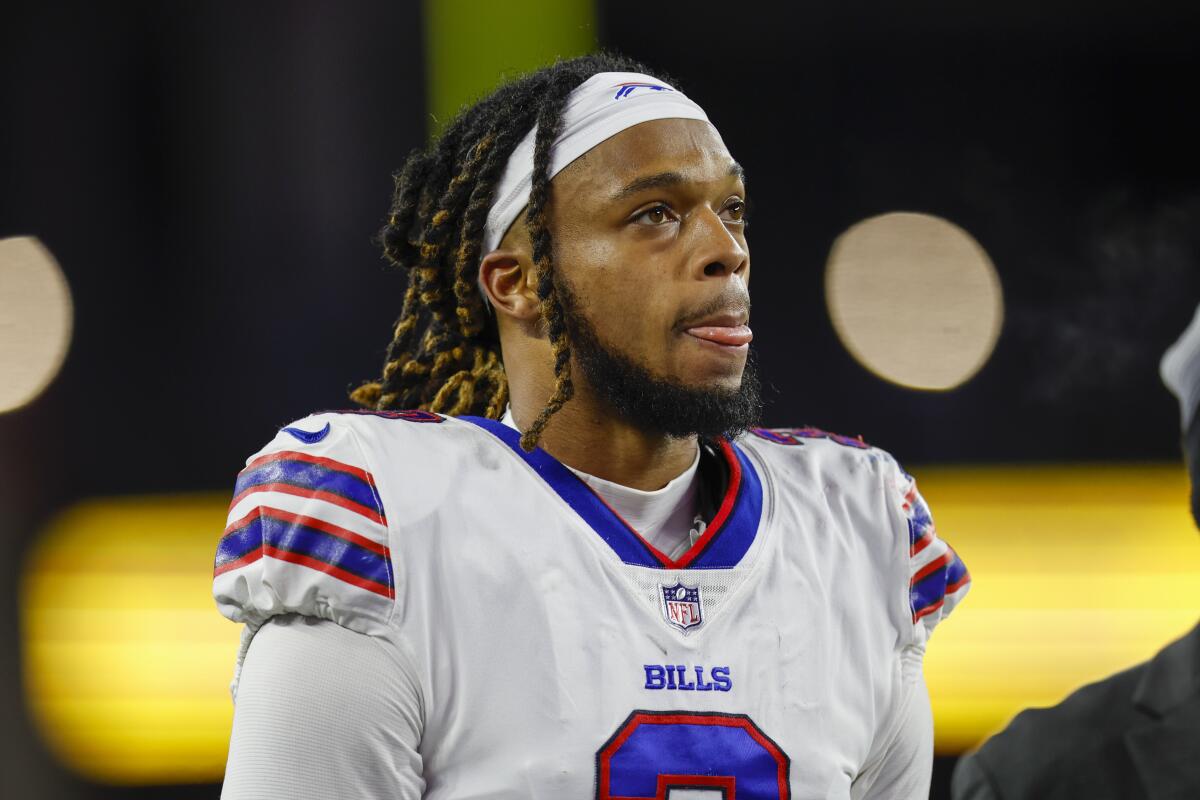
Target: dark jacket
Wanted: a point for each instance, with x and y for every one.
(1133, 735)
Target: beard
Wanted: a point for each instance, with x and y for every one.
(652, 403)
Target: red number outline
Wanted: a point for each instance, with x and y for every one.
(638, 718)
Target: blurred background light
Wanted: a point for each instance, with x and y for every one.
(36, 318)
(471, 46)
(1078, 571)
(127, 662)
(914, 299)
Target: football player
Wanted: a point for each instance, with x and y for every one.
(552, 557)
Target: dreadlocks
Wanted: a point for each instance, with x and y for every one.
(445, 353)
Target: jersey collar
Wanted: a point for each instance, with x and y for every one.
(725, 540)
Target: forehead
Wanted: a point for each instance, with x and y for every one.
(690, 147)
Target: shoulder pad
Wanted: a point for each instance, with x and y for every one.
(307, 532)
(796, 436)
(938, 579)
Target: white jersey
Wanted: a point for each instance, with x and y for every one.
(556, 653)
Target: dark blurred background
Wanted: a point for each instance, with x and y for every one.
(210, 175)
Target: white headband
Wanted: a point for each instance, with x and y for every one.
(598, 109)
(1180, 369)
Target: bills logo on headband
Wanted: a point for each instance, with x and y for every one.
(681, 605)
(626, 89)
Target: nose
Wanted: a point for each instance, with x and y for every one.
(718, 252)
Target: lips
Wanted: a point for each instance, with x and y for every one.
(725, 335)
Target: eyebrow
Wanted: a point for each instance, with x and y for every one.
(661, 180)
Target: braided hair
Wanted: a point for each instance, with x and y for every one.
(445, 351)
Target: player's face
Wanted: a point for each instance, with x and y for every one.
(650, 237)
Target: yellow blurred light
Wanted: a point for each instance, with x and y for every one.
(127, 662)
(471, 45)
(1078, 572)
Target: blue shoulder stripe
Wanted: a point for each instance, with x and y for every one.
(929, 587)
(314, 476)
(309, 542)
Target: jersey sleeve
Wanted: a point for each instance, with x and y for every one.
(937, 578)
(901, 769)
(308, 683)
(307, 533)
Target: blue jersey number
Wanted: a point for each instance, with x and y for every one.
(655, 752)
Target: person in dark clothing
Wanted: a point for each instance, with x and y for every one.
(1135, 734)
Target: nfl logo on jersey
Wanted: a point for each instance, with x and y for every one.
(681, 605)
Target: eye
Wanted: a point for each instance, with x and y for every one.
(655, 215)
(735, 211)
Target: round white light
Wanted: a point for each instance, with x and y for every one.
(914, 299)
(35, 320)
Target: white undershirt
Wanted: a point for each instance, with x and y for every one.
(666, 517)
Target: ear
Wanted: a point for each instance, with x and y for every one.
(507, 280)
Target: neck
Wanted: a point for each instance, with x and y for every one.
(586, 435)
